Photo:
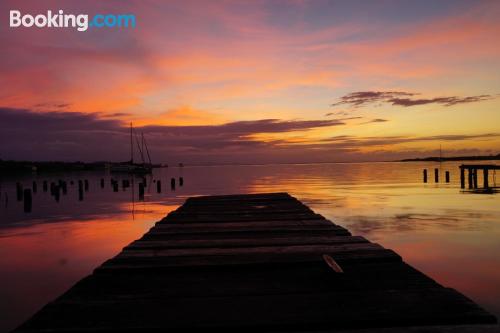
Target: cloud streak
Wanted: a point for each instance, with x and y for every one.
(70, 136)
(402, 98)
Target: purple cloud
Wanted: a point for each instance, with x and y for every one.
(401, 98)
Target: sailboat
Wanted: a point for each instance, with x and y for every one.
(131, 166)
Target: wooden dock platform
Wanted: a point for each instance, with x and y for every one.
(255, 263)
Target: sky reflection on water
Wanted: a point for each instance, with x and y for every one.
(454, 237)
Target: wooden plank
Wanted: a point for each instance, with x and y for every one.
(220, 218)
(170, 262)
(282, 279)
(290, 249)
(383, 308)
(243, 224)
(243, 242)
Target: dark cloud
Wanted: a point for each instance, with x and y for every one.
(401, 98)
(376, 120)
(361, 98)
(52, 105)
(70, 136)
(59, 135)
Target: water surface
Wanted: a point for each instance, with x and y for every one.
(452, 236)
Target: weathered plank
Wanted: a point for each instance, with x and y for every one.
(243, 242)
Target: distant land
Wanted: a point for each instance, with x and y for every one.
(13, 167)
(453, 158)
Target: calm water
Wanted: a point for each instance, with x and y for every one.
(454, 237)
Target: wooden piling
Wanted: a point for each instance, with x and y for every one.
(470, 176)
(172, 183)
(102, 182)
(447, 176)
(462, 177)
(45, 186)
(181, 181)
(485, 178)
(158, 186)
(474, 174)
(436, 175)
(35, 187)
(141, 191)
(86, 185)
(27, 200)
(19, 191)
(425, 175)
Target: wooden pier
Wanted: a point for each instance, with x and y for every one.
(261, 262)
(472, 174)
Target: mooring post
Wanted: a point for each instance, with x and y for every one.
(436, 175)
(485, 178)
(27, 200)
(158, 186)
(462, 177)
(141, 191)
(115, 186)
(172, 183)
(35, 186)
(475, 178)
(102, 182)
(425, 175)
(469, 170)
(57, 193)
(181, 181)
(80, 192)
(19, 191)
(447, 176)
(64, 187)
(80, 185)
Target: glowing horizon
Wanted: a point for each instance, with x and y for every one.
(280, 81)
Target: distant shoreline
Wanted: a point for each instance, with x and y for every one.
(16, 167)
(453, 158)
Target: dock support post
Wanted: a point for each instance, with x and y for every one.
(19, 191)
(102, 182)
(86, 185)
(475, 178)
(141, 191)
(181, 181)
(485, 178)
(436, 175)
(27, 200)
(35, 187)
(447, 176)
(462, 177)
(45, 186)
(425, 175)
(470, 177)
(158, 186)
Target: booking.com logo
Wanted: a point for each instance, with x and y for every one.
(61, 20)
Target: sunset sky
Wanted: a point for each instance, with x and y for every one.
(254, 81)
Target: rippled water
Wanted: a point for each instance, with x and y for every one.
(450, 235)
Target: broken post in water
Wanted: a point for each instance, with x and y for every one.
(472, 170)
(256, 263)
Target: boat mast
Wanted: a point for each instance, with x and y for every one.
(131, 146)
(147, 149)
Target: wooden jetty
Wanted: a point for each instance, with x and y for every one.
(472, 174)
(260, 262)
